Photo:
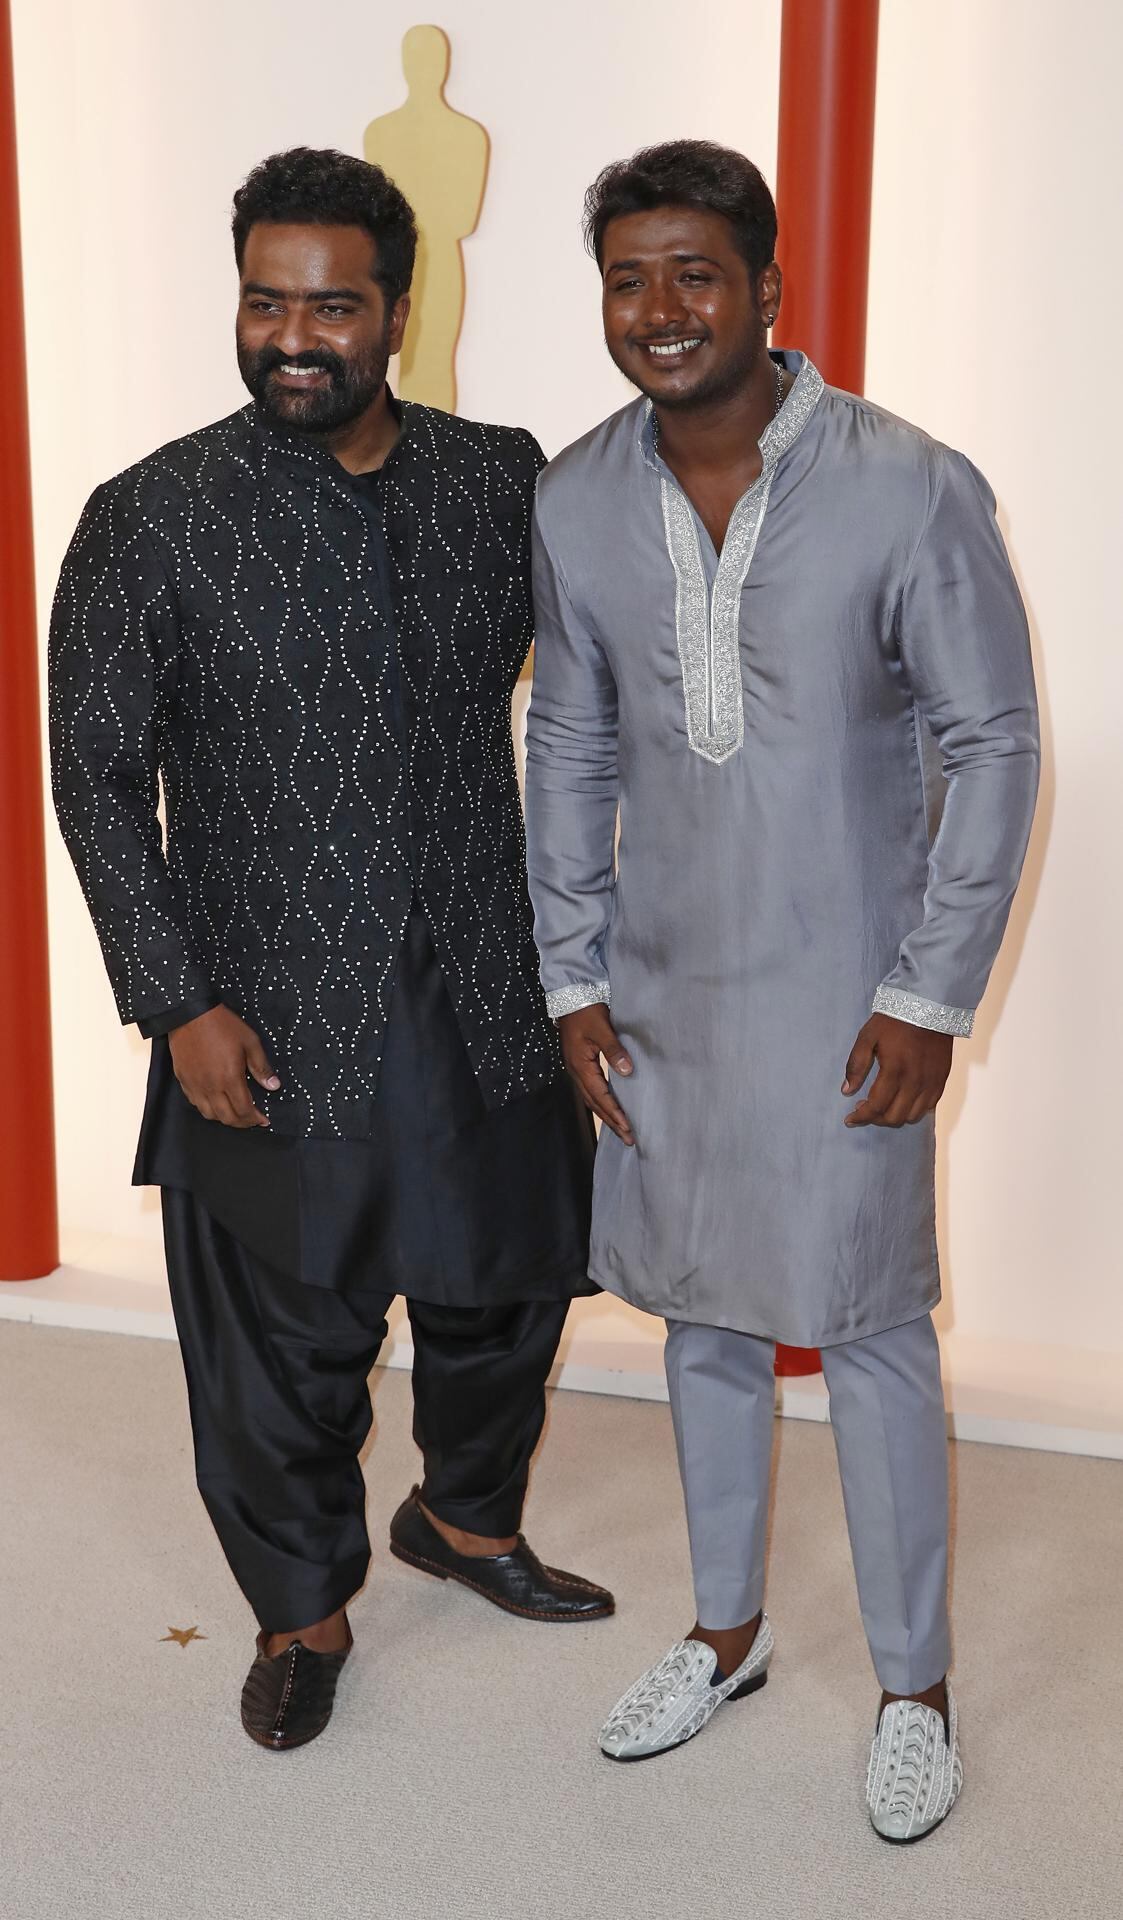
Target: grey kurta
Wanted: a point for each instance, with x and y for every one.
(765, 724)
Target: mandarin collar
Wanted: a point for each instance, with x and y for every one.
(302, 451)
(782, 431)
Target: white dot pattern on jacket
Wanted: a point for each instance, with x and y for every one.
(319, 672)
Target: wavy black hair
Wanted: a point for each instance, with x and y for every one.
(687, 173)
(329, 189)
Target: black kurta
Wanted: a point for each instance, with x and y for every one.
(444, 1201)
(320, 672)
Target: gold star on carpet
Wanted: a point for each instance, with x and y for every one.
(183, 1636)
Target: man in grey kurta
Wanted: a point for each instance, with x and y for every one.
(779, 639)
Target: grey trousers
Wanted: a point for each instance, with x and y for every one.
(887, 1413)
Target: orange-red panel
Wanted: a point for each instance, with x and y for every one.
(828, 77)
(28, 1207)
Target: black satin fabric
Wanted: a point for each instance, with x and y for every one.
(277, 1382)
(446, 1202)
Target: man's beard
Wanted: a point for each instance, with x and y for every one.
(720, 383)
(352, 385)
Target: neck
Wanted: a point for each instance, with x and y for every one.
(717, 432)
(363, 444)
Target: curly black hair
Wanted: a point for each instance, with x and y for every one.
(330, 189)
(687, 173)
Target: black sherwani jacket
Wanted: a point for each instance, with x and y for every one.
(320, 672)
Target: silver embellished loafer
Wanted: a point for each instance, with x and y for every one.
(674, 1700)
(915, 1773)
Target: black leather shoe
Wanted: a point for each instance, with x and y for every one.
(287, 1699)
(517, 1581)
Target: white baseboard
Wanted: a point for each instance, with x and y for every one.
(1003, 1393)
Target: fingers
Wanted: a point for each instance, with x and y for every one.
(585, 1037)
(598, 1030)
(230, 1105)
(236, 1109)
(892, 1102)
(612, 1113)
(912, 1070)
(211, 1057)
(860, 1061)
(598, 1095)
(258, 1066)
(883, 1105)
(871, 1111)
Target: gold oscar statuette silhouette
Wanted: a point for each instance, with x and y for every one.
(439, 160)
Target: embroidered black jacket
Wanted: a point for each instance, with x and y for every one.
(319, 670)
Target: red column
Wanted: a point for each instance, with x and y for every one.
(28, 1211)
(828, 75)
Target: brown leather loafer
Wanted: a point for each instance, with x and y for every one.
(288, 1698)
(516, 1581)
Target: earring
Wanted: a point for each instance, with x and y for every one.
(771, 320)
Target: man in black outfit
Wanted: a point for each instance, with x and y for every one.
(307, 620)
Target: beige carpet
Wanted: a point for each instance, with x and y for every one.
(460, 1779)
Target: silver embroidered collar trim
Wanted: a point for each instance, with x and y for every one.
(708, 627)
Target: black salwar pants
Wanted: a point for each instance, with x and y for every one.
(277, 1383)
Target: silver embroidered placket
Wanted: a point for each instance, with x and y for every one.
(708, 628)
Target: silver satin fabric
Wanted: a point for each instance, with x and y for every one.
(890, 1433)
(765, 891)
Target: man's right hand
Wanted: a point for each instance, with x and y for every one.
(212, 1056)
(585, 1036)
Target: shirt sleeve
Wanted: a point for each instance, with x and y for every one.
(114, 646)
(571, 793)
(537, 457)
(153, 1025)
(534, 460)
(964, 647)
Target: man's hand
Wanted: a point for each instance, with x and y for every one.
(913, 1064)
(584, 1037)
(212, 1056)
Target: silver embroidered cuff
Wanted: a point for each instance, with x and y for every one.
(588, 993)
(924, 1013)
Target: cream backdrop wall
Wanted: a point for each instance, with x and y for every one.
(994, 285)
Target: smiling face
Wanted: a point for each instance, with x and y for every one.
(683, 316)
(315, 332)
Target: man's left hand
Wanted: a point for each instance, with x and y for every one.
(913, 1064)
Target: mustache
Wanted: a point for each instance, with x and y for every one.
(270, 358)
